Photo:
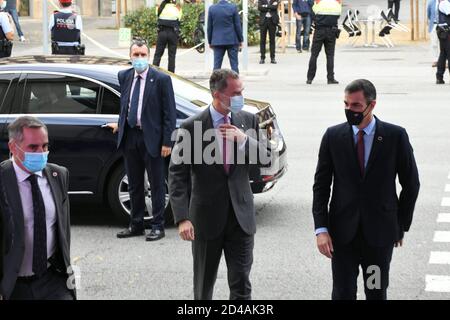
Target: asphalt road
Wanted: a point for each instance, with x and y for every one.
(287, 264)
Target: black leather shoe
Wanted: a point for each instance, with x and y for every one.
(155, 235)
(261, 61)
(440, 81)
(273, 61)
(333, 81)
(308, 81)
(128, 233)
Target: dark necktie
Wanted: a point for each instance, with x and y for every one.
(40, 229)
(360, 148)
(134, 105)
(226, 164)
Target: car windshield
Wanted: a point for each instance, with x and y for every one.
(191, 91)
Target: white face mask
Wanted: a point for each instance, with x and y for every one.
(3, 5)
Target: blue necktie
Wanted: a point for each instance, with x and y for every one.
(132, 116)
(40, 229)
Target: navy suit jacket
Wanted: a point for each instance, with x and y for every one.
(224, 24)
(158, 118)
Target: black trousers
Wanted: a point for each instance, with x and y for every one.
(51, 286)
(322, 37)
(268, 25)
(137, 160)
(444, 57)
(374, 261)
(391, 4)
(238, 249)
(166, 37)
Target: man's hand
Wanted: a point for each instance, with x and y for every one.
(325, 244)
(186, 230)
(113, 125)
(298, 16)
(399, 243)
(166, 151)
(232, 133)
(240, 45)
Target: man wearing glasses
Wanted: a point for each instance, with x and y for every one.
(365, 219)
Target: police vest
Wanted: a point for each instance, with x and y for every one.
(2, 34)
(170, 16)
(65, 29)
(443, 18)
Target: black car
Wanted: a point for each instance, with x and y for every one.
(75, 96)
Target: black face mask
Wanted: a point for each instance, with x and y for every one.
(355, 118)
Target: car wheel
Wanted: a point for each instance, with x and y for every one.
(120, 203)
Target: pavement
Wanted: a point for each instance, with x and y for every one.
(287, 264)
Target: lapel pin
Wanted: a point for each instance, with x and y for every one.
(151, 80)
(380, 139)
(242, 125)
(55, 174)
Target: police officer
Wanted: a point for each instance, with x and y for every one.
(66, 26)
(327, 13)
(443, 32)
(6, 32)
(169, 16)
(268, 17)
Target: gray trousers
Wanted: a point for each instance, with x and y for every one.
(238, 249)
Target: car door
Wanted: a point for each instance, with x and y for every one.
(8, 86)
(69, 106)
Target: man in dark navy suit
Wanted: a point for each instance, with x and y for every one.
(225, 33)
(147, 119)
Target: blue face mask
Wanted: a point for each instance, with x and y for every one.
(34, 161)
(236, 103)
(140, 64)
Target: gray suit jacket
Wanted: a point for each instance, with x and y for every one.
(207, 205)
(12, 216)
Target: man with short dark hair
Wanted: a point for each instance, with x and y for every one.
(36, 218)
(218, 214)
(365, 219)
(146, 122)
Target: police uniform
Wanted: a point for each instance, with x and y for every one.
(327, 13)
(66, 27)
(443, 32)
(169, 16)
(5, 28)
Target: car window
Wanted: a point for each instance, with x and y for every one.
(60, 94)
(110, 102)
(6, 92)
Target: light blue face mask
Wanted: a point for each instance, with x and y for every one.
(34, 161)
(236, 103)
(3, 5)
(140, 64)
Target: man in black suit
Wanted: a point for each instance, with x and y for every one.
(218, 214)
(268, 21)
(36, 218)
(365, 219)
(147, 119)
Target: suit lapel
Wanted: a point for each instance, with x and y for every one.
(148, 86)
(376, 145)
(129, 83)
(13, 196)
(208, 124)
(52, 178)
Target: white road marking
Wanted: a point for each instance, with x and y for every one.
(439, 257)
(442, 236)
(445, 202)
(443, 217)
(437, 283)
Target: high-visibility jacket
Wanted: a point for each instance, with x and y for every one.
(171, 12)
(328, 7)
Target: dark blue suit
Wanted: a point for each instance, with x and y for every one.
(225, 33)
(142, 147)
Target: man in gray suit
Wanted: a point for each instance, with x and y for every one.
(35, 214)
(218, 214)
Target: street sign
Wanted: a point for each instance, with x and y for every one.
(124, 37)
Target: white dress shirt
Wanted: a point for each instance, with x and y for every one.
(141, 93)
(28, 216)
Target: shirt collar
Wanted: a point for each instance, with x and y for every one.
(21, 174)
(143, 74)
(369, 130)
(217, 116)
